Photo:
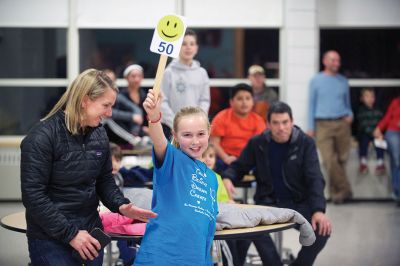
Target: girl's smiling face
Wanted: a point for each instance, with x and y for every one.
(192, 135)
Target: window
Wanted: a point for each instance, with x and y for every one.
(224, 53)
(366, 53)
(117, 49)
(22, 107)
(32, 53)
(41, 53)
(262, 48)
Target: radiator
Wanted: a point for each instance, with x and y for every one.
(10, 187)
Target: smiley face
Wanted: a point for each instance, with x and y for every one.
(170, 28)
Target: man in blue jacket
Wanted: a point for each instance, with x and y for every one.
(288, 175)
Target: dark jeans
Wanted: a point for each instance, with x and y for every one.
(51, 252)
(363, 142)
(267, 250)
(126, 253)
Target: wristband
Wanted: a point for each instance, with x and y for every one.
(155, 121)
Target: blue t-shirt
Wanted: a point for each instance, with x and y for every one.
(184, 197)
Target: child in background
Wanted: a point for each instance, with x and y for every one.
(126, 253)
(209, 157)
(184, 191)
(368, 117)
(185, 83)
(133, 177)
(233, 127)
(116, 158)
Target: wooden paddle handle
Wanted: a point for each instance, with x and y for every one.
(159, 74)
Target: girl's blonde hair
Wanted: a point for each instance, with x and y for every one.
(186, 111)
(92, 83)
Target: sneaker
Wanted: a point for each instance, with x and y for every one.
(380, 170)
(119, 262)
(363, 169)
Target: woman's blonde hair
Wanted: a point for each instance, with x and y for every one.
(92, 83)
(186, 111)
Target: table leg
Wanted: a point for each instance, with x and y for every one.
(278, 238)
(218, 251)
(109, 254)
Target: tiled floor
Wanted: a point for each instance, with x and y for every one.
(365, 233)
(13, 246)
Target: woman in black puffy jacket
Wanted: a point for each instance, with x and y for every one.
(65, 170)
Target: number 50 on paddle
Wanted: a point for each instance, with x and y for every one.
(167, 41)
(168, 36)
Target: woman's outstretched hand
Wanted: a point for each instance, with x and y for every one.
(133, 212)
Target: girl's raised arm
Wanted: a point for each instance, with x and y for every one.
(152, 107)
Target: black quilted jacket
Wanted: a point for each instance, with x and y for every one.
(62, 179)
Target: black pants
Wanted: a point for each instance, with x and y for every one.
(267, 250)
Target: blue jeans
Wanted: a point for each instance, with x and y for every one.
(126, 253)
(393, 140)
(51, 252)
